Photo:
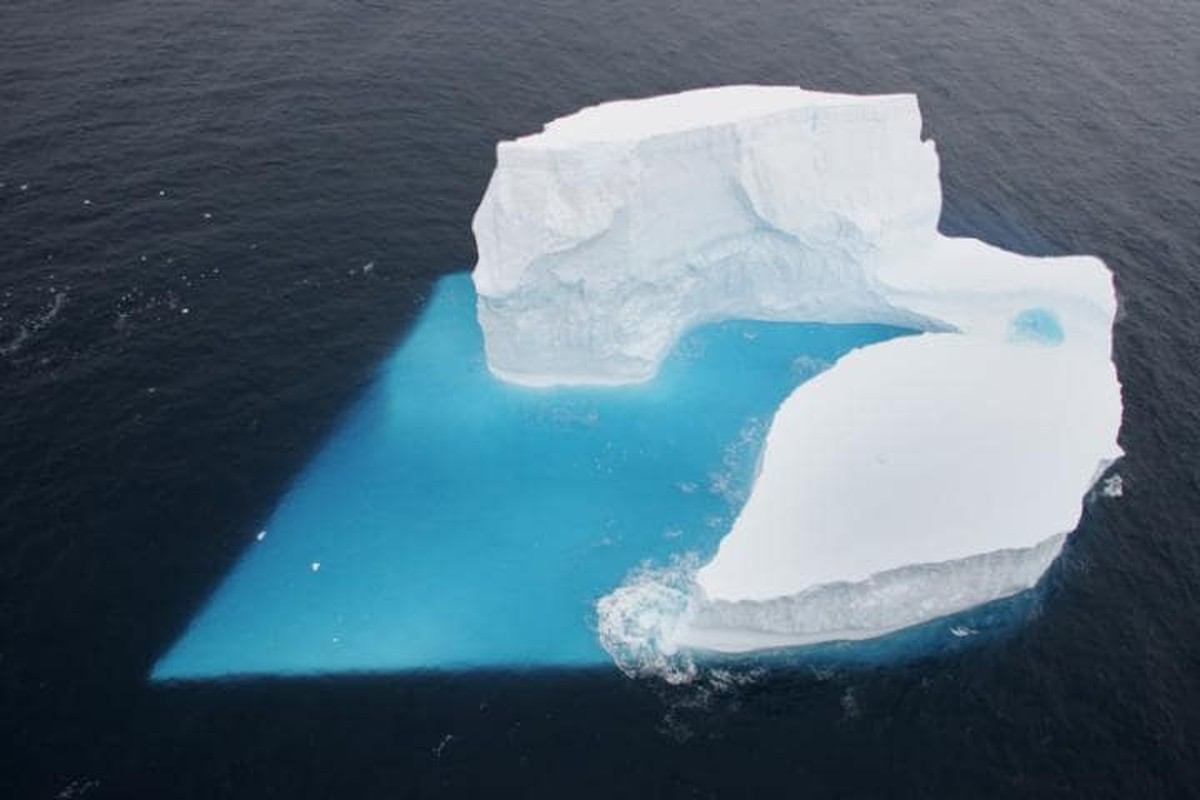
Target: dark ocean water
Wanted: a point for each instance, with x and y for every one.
(189, 194)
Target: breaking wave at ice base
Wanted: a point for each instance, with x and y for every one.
(660, 624)
(453, 522)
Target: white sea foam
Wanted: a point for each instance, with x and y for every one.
(641, 622)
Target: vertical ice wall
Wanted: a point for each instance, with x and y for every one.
(605, 236)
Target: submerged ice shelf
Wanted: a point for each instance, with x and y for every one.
(459, 522)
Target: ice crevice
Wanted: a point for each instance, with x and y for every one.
(913, 479)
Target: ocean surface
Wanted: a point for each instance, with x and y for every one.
(218, 221)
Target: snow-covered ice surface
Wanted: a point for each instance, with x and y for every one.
(915, 478)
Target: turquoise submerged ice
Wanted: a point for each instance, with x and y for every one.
(456, 521)
(1038, 325)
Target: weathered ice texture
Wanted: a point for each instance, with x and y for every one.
(605, 236)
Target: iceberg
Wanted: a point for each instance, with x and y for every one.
(749, 398)
(916, 477)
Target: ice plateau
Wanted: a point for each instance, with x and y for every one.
(915, 478)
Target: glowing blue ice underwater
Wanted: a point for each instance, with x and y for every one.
(454, 521)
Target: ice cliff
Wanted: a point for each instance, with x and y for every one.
(915, 478)
(606, 235)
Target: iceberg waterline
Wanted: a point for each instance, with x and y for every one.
(891, 484)
(659, 623)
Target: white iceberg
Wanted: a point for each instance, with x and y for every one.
(915, 478)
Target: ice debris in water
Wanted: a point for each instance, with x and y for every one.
(639, 622)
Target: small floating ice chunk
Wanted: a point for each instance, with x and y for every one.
(315, 566)
(367, 267)
(24, 186)
(441, 747)
(207, 215)
(1113, 486)
(962, 631)
(260, 535)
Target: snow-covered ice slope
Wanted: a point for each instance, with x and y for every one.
(917, 477)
